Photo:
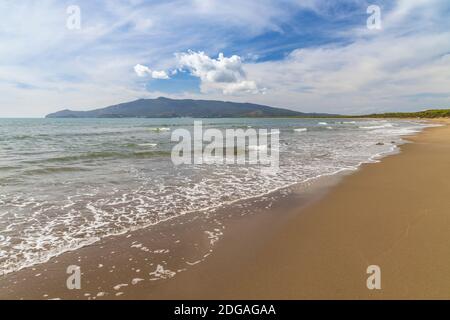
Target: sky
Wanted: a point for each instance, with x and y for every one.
(336, 56)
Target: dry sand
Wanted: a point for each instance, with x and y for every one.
(314, 243)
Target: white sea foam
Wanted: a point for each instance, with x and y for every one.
(135, 281)
(272, 132)
(162, 129)
(214, 235)
(161, 273)
(41, 220)
(119, 286)
(388, 125)
(148, 144)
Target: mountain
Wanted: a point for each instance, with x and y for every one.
(170, 108)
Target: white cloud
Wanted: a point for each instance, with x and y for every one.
(224, 74)
(242, 86)
(143, 71)
(160, 75)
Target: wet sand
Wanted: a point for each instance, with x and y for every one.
(307, 242)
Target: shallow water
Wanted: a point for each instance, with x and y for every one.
(66, 183)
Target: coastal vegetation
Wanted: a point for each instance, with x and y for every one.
(427, 114)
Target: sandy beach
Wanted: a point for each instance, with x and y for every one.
(394, 214)
(179, 152)
(313, 242)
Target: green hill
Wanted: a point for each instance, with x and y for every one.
(428, 114)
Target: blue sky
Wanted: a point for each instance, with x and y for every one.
(310, 55)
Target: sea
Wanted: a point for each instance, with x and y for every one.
(67, 183)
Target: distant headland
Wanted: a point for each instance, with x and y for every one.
(173, 108)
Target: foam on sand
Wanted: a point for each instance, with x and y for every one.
(161, 273)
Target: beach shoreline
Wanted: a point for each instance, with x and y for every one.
(324, 237)
(110, 266)
(393, 214)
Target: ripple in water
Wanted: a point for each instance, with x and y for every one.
(66, 183)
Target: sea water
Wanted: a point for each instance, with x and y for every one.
(66, 183)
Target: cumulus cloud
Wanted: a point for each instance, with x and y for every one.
(159, 75)
(222, 74)
(143, 71)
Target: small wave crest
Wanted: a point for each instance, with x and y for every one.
(102, 155)
(387, 125)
